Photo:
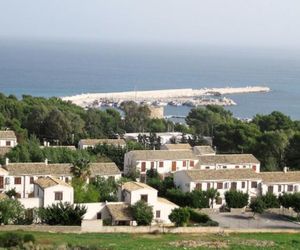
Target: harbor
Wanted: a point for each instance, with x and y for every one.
(172, 97)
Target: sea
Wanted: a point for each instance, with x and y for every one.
(64, 68)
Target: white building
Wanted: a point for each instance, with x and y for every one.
(164, 161)
(52, 191)
(8, 140)
(280, 182)
(21, 176)
(229, 161)
(91, 143)
(245, 180)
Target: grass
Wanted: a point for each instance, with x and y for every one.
(170, 241)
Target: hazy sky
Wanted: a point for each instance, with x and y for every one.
(274, 23)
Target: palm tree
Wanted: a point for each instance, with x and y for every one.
(81, 168)
(212, 195)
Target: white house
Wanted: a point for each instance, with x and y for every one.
(131, 192)
(280, 182)
(21, 176)
(91, 143)
(203, 150)
(8, 140)
(245, 180)
(52, 191)
(176, 147)
(164, 161)
(229, 161)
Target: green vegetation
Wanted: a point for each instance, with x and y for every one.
(62, 214)
(12, 239)
(142, 213)
(180, 216)
(12, 212)
(291, 200)
(166, 241)
(236, 199)
(258, 206)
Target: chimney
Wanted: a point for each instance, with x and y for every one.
(6, 161)
(46, 161)
(285, 169)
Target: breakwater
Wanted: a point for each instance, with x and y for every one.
(175, 97)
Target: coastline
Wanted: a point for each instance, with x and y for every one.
(194, 97)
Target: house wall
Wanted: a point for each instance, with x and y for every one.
(31, 202)
(230, 166)
(165, 210)
(136, 196)
(13, 142)
(280, 188)
(49, 195)
(92, 210)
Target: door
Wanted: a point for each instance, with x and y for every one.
(233, 185)
(143, 168)
(1, 182)
(173, 166)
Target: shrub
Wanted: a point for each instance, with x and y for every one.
(286, 200)
(11, 212)
(178, 197)
(198, 217)
(236, 199)
(62, 214)
(29, 238)
(291, 200)
(10, 240)
(180, 216)
(258, 206)
(210, 223)
(270, 200)
(197, 199)
(142, 213)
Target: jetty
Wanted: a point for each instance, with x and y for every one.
(174, 97)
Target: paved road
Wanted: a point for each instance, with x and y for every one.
(266, 220)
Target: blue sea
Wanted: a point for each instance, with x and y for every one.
(47, 69)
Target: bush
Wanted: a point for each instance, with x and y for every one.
(11, 212)
(210, 223)
(291, 200)
(258, 206)
(142, 213)
(198, 217)
(11, 240)
(62, 214)
(236, 199)
(270, 200)
(178, 197)
(28, 238)
(180, 216)
(198, 199)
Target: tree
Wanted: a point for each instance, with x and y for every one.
(180, 216)
(197, 199)
(83, 192)
(270, 200)
(107, 188)
(291, 200)
(11, 211)
(257, 206)
(292, 153)
(212, 195)
(81, 168)
(142, 213)
(236, 199)
(62, 214)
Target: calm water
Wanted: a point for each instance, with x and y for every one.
(59, 69)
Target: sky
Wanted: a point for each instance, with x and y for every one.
(263, 23)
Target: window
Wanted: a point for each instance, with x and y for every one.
(152, 164)
(143, 168)
(67, 179)
(254, 167)
(224, 166)
(17, 180)
(219, 200)
(99, 216)
(192, 163)
(143, 178)
(207, 167)
(8, 143)
(161, 164)
(253, 184)
(1, 182)
(144, 197)
(58, 196)
(220, 185)
(198, 186)
(243, 184)
(244, 166)
(184, 163)
(31, 180)
(233, 185)
(237, 166)
(18, 195)
(157, 214)
(270, 189)
(208, 185)
(290, 188)
(225, 185)
(279, 188)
